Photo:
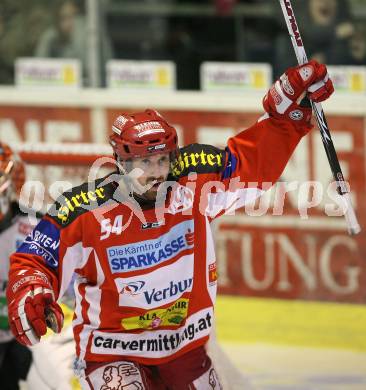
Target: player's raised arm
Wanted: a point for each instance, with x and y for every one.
(256, 157)
(261, 152)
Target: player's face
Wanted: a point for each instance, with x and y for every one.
(155, 170)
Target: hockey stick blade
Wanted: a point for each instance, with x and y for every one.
(351, 219)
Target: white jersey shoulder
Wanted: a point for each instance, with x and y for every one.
(10, 239)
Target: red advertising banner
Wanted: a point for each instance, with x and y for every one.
(45, 124)
(285, 246)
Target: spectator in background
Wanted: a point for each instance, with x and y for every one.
(356, 53)
(358, 48)
(21, 23)
(6, 68)
(140, 31)
(193, 40)
(330, 30)
(67, 38)
(326, 27)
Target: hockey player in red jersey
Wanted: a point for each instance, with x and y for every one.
(15, 358)
(143, 251)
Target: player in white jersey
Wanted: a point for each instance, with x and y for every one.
(15, 358)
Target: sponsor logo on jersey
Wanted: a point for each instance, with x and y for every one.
(171, 316)
(155, 343)
(132, 288)
(157, 288)
(146, 254)
(212, 274)
(81, 200)
(151, 225)
(43, 241)
(156, 295)
(196, 160)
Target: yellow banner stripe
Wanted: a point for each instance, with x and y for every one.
(302, 323)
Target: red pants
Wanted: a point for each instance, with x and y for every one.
(192, 371)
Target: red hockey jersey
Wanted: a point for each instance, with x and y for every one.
(146, 278)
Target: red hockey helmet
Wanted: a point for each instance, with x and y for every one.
(142, 134)
(12, 177)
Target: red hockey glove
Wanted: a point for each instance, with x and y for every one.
(32, 307)
(283, 99)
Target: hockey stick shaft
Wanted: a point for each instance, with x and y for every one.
(297, 42)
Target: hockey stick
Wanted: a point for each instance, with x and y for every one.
(293, 29)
